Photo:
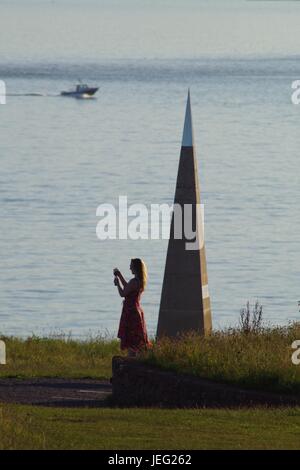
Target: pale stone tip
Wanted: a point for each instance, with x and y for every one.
(187, 138)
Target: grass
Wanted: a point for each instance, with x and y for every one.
(24, 427)
(259, 359)
(59, 357)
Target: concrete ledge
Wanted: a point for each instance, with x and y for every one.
(138, 384)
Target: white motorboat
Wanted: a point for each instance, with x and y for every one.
(81, 90)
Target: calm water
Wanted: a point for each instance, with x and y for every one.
(61, 158)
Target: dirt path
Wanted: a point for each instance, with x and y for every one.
(56, 392)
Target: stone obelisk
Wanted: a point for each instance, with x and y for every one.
(185, 301)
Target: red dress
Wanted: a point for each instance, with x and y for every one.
(132, 329)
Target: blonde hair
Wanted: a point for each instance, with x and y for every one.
(140, 269)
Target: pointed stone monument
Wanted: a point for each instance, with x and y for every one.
(185, 301)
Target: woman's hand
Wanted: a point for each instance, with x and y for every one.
(120, 278)
(116, 272)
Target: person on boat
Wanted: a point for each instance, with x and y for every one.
(132, 328)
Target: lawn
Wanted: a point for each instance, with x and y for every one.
(258, 359)
(59, 357)
(25, 427)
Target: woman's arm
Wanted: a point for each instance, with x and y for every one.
(117, 283)
(130, 287)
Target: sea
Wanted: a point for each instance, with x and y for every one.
(60, 158)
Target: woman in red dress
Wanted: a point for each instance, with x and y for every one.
(132, 329)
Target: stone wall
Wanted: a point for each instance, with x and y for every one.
(138, 384)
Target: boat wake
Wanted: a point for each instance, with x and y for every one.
(33, 94)
(52, 95)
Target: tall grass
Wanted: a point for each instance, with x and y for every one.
(60, 356)
(257, 359)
